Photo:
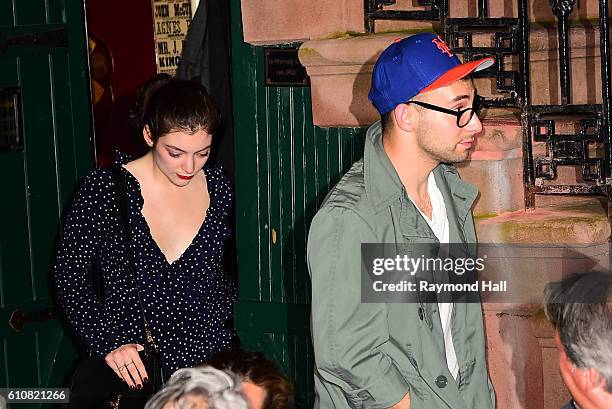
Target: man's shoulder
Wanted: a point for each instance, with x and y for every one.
(349, 192)
(346, 204)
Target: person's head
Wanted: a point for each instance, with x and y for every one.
(414, 81)
(264, 384)
(580, 309)
(199, 388)
(178, 120)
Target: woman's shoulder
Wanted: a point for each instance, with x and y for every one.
(97, 179)
(103, 178)
(215, 175)
(93, 190)
(93, 197)
(218, 183)
(99, 183)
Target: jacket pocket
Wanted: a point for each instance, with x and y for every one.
(406, 363)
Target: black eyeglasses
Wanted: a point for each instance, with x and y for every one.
(464, 116)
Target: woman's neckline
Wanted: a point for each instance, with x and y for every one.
(147, 226)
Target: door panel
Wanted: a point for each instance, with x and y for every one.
(284, 168)
(30, 12)
(37, 182)
(14, 241)
(38, 125)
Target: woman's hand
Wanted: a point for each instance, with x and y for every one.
(127, 364)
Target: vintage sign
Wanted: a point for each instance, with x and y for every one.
(283, 68)
(171, 19)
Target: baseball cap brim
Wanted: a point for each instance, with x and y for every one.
(459, 72)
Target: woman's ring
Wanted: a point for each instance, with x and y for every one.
(122, 368)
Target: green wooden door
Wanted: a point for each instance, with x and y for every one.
(44, 76)
(284, 168)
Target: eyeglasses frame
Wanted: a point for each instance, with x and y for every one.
(476, 106)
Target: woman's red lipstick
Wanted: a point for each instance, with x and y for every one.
(184, 177)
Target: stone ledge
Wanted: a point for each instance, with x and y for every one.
(268, 22)
(340, 71)
(581, 222)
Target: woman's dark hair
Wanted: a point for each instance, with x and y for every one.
(166, 104)
(254, 367)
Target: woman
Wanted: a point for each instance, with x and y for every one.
(177, 207)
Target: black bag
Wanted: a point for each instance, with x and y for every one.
(94, 384)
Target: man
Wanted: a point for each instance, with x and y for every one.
(401, 355)
(200, 388)
(263, 383)
(580, 309)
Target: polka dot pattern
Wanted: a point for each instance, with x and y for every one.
(187, 303)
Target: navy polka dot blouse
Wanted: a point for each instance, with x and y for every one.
(187, 303)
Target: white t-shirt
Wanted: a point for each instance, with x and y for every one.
(439, 225)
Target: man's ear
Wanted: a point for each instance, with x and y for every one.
(594, 379)
(405, 117)
(598, 393)
(146, 133)
(566, 367)
(592, 386)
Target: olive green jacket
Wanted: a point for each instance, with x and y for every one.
(369, 355)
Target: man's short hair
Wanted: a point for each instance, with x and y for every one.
(195, 387)
(386, 121)
(580, 309)
(256, 368)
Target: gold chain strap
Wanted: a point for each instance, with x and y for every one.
(114, 403)
(150, 339)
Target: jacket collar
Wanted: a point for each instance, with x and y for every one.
(454, 190)
(383, 185)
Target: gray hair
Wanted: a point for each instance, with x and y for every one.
(580, 308)
(218, 389)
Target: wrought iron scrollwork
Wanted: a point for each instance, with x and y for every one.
(570, 149)
(507, 80)
(374, 10)
(562, 7)
(588, 147)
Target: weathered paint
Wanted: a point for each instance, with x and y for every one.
(284, 168)
(37, 182)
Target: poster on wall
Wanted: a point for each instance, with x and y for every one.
(171, 19)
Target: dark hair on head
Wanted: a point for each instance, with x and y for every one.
(145, 91)
(254, 367)
(386, 120)
(166, 104)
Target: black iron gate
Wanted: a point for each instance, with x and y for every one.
(588, 147)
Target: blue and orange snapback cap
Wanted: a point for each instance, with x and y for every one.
(416, 64)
